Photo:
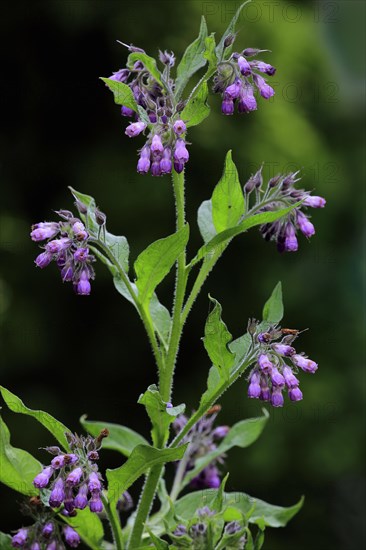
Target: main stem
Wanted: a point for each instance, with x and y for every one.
(166, 380)
(167, 370)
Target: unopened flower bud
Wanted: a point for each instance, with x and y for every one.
(229, 40)
(100, 217)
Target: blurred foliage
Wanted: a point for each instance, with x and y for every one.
(61, 128)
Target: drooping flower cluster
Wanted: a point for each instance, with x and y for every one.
(73, 478)
(276, 365)
(198, 532)
(203, 438)
(238, 78)
(67, 245)
(280, 193)
(165, 145)
(46, 533)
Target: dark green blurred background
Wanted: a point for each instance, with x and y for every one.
(72, 355)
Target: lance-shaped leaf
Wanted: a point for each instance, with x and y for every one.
(273, 308)
(17, 467)
(5, 542)
(118, 245)
(160, 415)
(242, 434)
(205, 221)
(122, 93)
(216, 340)
(197, 108)
(154, 263)
(192, 60)
(56, 428)
(220, 50)
(257, 511)
(160, 316)
(227, 198)
(89, 527)
(120, 438)
(142, 458)
(149, 63)
(247, 223)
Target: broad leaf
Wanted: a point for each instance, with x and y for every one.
(229, 31)
(160, 316)
(161, 416)
(242, 434)
(142, 458)
(205, 222)
(247, 223)
(17, 467)
(196, 109)
(89, 527)
(56, 428)
(273, 308)
(154, 263)
(264, 514)
(5, 542)
(227, 198)
(120, 438)
(89, 217)
(210, 55)
(216, 340)
(192, 60)
(118, 245)
(122, 93)
(149, 63)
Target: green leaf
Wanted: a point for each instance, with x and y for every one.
(149, 63)
(89, 202)
(269, 514)
(118, 245)
(161, 319)
(192, 60)
(160, 316)
(259, 539)
(205, 221)
(217, 503)
(120, 438)
(161, 416)
(142, 458)
(122, 93)
(210, 55)
(5, 542)
(216, 340)
(273, 308)
(17, 467)
(56, 428)
(159, 543)
(242, 435)
(227, 198)
(247, 223)
(89, 527)
(197, 108)
(230, 30)
(154, 263)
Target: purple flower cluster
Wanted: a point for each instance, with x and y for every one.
(238, 78)
(67, 245)
(275, 366)
(195, 533)
(203, 438)
(165, 145)
(46, 533)
(73, 477)
(45, 536)
(280, 193)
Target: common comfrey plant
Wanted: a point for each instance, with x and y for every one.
(67, 498)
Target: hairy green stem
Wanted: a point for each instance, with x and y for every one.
(146, 500)
(166, 381)
(114, 523)
(167, 372)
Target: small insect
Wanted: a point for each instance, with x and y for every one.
(214, 409)
(292, 331)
